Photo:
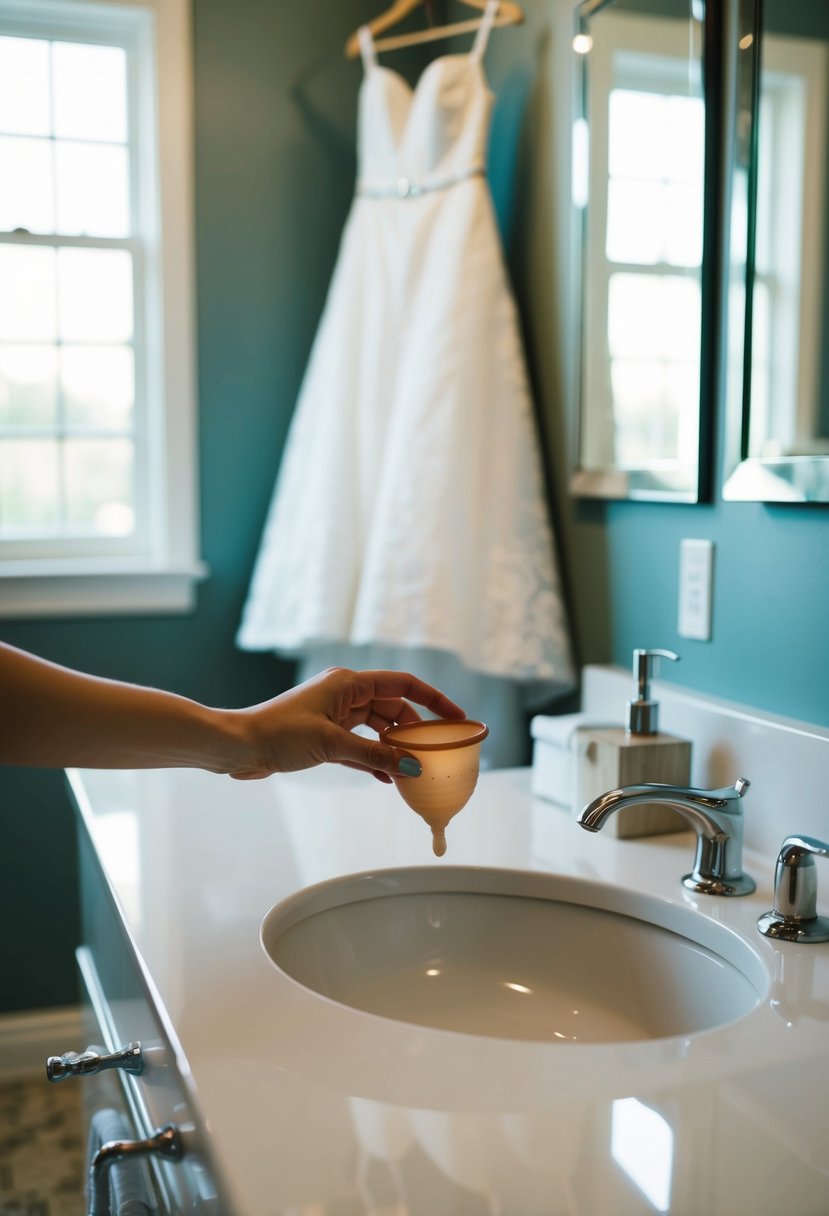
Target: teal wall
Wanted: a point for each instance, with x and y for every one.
(275, 103)
(771, 596)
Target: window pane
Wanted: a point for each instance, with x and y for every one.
(654, 316)
(656, 169)
(684, 146)
(26, 191)
(27, 294)
(98, 385)
(28, 386)
(683, 212)
(29, 486)
(99, 496)
(93, 195)
(682, 392)
(681, 318)
(634, 303)
(636, 134)
(95, 293)
(637, 387)
(24, 86)
(635, 222)
(645, 415)
(90, 85)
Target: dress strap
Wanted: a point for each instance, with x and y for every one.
(482, 36)
(367, 47)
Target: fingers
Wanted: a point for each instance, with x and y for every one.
(401, 686)
(260, 774)
(381, 714)
(356, 751)
(394, 711)
(359, 768)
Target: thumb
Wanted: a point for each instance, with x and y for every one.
(375, 756)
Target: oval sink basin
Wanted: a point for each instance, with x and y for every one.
(513, 955)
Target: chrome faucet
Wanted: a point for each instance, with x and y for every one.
(715, 815)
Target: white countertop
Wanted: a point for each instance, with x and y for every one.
(313, 1109)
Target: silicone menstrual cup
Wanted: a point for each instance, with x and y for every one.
(449, 752)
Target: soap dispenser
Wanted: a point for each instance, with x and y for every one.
(610, 757)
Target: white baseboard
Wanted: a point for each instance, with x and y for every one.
(26, 1039)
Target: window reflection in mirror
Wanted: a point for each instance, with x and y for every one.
(640, 187)
(778, 332)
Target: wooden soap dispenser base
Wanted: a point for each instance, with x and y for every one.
(612, 757)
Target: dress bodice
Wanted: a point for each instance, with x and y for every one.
(433, 133)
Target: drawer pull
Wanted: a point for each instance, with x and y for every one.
(86, 1063)
(166, 1142)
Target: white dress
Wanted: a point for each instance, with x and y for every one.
(408, 526)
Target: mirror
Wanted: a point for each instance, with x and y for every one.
(641, 154)
(777, 364)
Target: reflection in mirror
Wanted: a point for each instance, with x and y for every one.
(777, 385)
(639, 185)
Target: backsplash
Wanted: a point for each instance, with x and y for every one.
(785, 760)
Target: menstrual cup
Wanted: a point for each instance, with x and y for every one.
(449, 751)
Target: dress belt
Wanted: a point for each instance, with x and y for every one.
(405, 188)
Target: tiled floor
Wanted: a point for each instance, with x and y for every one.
(41, 1149)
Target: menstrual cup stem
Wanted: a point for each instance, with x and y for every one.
(438, 842)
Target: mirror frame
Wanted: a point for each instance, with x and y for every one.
(646, 484)
(746, 478)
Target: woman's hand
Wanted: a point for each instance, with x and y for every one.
(313, 723)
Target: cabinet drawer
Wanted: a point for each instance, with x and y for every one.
(119, 1011)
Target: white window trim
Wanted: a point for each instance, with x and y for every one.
(164, 580)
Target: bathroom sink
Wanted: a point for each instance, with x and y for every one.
(513, 955)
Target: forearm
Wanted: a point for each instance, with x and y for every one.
(55, 717)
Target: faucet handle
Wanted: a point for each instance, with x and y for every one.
(794, 916)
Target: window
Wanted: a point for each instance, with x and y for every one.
(654, 238)
(643, 186)
(97, 483)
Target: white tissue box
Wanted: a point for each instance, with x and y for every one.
(555, 748)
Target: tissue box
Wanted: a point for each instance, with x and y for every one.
(555, 747)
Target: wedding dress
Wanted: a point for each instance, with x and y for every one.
(408, 526)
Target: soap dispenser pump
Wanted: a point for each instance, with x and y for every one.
(642, 716)
(610, 757)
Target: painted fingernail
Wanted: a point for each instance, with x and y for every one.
(409, 767)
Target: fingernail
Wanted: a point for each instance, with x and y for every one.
(409, 767)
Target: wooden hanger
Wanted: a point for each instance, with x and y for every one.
(509, 13)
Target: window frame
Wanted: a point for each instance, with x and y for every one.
(158, 575)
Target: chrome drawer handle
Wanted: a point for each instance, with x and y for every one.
(166, 1142)
(86, 1063)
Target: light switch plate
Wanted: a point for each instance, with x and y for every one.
(696, 579)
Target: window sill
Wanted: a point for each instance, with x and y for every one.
(55, 588)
